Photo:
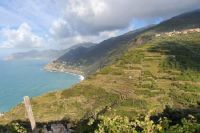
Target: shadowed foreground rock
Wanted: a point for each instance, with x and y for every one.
(55, 128)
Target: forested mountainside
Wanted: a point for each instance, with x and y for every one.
(160, 77)
(96, 57)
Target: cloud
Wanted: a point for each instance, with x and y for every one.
(64, 43)
(91, 17)
(67, 22)
(38, 14)
(21, 38)
(60, 29)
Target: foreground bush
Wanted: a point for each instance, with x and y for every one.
(118, 124)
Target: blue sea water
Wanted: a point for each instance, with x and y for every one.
(27, 78)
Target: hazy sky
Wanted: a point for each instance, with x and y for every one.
(43, 24)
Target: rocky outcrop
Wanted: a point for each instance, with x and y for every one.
(55, 128)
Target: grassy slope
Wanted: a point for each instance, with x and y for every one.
(164, 71)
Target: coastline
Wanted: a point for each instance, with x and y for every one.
(62, 68)
(81, 77)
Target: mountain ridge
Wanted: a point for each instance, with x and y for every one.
(88, 60)
(49, 54)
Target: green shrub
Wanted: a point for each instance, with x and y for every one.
(106, 70)
(119, 124)
(13, 128)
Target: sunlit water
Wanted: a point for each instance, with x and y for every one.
(27, 78)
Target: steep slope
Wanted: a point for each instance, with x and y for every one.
(88, 60)
(99, 51)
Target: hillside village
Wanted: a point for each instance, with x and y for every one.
(195, 30)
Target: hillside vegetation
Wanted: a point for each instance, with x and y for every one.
(165, 71)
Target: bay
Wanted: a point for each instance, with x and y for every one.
(27, 78)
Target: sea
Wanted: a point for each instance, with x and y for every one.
(19, 78)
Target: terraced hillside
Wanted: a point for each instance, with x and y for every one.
(163, 71)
